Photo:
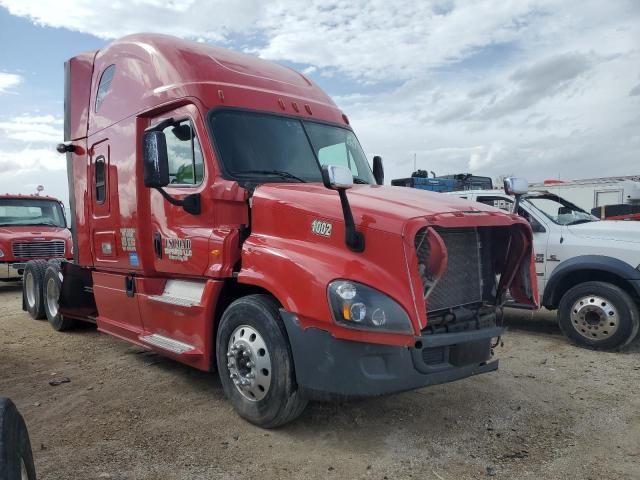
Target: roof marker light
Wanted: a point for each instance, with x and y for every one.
(295, 106)
(281, 103)
(221, 95)
(308, 109)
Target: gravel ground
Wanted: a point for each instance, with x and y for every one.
(552, 411)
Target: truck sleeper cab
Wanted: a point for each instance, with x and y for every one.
(226, 216)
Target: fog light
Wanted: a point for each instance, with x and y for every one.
(346, 291)
(378, 317)
(358, 312)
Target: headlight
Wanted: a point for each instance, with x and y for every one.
(357, 306)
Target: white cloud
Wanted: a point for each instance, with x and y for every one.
(535, 87)
(33, 129)
(9, 81)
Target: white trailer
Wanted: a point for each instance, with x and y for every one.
(595, 192)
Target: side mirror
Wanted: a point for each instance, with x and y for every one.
(337, 178)
(515, 186)
(341, 179)
(155, 159)
(378, 170)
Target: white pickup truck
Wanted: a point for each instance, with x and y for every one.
(587, 269)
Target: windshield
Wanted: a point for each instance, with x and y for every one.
(31, 211)
(274, 148)
(560, 211)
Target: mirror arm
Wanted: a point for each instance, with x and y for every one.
(352, 237)
(167, 122)
(191, 203)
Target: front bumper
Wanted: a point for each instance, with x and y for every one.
(326, 366)
(11, 270)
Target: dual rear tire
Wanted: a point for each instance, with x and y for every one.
(42, 282)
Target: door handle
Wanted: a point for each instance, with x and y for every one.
(157, 244)
(130, 285)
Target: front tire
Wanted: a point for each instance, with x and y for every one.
(52, 286)
(32, 280)
(16, 458)
(598, 315)
(255, 363)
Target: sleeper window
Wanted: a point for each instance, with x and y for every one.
(104, 85)
(186, 164)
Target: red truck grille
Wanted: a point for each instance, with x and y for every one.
(461, 283)
(38, 249)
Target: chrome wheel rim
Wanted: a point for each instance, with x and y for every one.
(594, 317)
(30, 289)
(23, 470)
(249, 363)
(53, 295)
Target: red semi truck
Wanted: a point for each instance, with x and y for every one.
(225, 215)
(31, 226)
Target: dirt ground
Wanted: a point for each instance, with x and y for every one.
(552, 411)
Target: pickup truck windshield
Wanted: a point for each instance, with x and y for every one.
(560, 211)
(271, 148)
(31, 211)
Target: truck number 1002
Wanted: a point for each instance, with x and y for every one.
(321, 228)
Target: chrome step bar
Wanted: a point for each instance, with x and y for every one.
(167, 343)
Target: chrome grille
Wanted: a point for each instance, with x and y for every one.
(38, 249)
(461, 283)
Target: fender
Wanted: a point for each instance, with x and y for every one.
(601, 263)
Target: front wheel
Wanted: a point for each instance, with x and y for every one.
(598, 315)
(255, 363)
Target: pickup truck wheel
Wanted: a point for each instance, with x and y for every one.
(255, 364)
(51, 291)
(16, 458)
(598, 315)
(32, 280)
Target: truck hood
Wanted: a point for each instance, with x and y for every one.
(615, 230)
(380, 207)
(30, 232)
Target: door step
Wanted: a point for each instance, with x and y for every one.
(185, 293)
(167, 343)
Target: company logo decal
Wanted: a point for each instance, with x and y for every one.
(177, 249)
(539, 257)
(321, 228)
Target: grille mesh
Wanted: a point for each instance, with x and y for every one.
(461, 283)
(38, 249)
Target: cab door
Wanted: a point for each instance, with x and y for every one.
(543, 239)
(180, 240)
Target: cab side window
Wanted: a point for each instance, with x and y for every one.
(186, 164)
(337, 154)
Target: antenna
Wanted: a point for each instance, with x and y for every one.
(414, 162)
(39, 189)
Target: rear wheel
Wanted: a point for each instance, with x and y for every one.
(51, 292)
(32, 280)
(16, 459)
(255, 363)
(598, 315)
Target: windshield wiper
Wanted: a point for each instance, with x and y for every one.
(279, 173)
(360, 181)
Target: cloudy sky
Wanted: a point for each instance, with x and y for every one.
(542, 89)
